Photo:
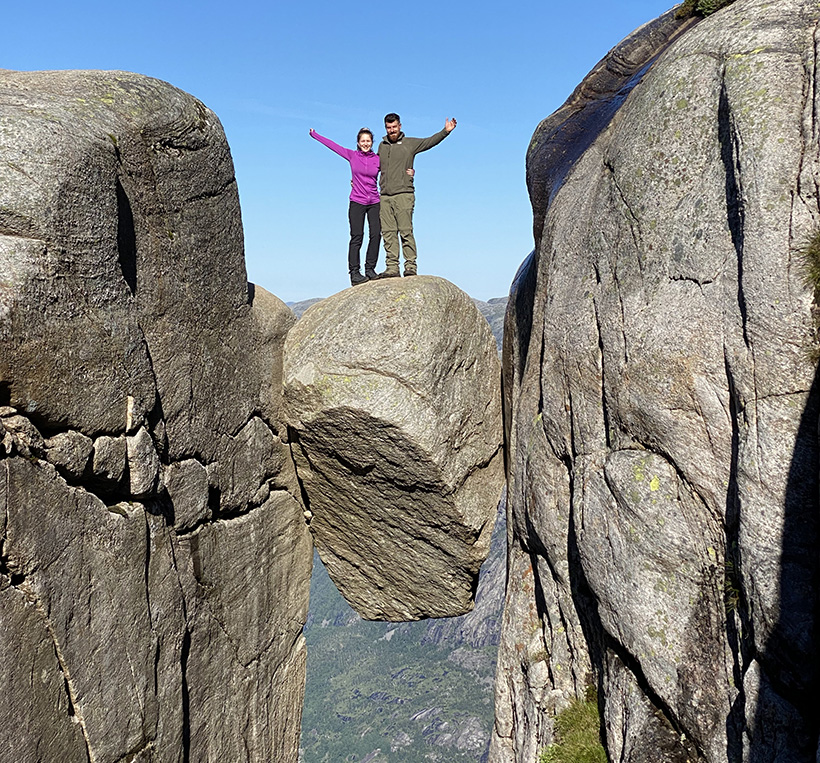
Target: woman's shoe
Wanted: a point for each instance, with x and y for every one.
(371, 274)
(356, 278)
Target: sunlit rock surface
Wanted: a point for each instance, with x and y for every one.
(154, 560)
(393, 407)
(662, 405)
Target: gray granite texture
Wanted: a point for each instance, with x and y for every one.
(394, 413)
(661, 401)
(154, 558)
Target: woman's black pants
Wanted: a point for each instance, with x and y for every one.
(356, 214)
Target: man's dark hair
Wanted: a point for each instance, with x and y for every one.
(391, 117)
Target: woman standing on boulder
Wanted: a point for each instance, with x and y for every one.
(364, 202)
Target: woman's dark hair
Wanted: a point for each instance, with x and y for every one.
(364, 131)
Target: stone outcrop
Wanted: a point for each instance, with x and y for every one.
(393, 409)
(154, 559)
(662, 408)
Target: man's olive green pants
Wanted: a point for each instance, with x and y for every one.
(396, 216)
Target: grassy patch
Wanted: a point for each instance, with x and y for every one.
(577, 734)
(691, 8)
(810, 254)
(731, 588)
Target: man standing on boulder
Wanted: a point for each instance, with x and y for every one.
(398, 197)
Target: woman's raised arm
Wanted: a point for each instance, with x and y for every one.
(345, 153)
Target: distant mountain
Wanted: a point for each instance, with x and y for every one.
(494, 310)
(300, 307)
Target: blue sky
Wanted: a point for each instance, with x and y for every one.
(273, 70)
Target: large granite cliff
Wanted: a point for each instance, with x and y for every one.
(661, 403)
(154, 560)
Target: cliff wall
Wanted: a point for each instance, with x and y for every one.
(661, 406)
(154, 559)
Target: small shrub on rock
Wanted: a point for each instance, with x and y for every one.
(577, 734)
(691, 8)
(810, 254)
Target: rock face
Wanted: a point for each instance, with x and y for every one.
(393, 408)
(662, 407)
(154, 560)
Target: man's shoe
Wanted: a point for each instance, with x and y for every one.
(390, 274)
(356, 278)
(371, 274)
(408, 273)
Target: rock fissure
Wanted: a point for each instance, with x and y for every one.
(126, 238)
(225, 518)
(4, 481)
(147, 570)
(798, 393)
(734, 578)
(540, 603)
(18, 168)
(601, 359)
(71, 694)
(598, 308)
(690, 279)
(814, 85)
(479, 466)
(217, 193)
(662, 709)
(134, 754)
(305, 498)
(729, 138)
(632, 219)
(186, 695)
(15, 233)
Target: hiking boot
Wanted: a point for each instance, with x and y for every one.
(408, 273)
(390, 274)
(371, 274)
(356, 278)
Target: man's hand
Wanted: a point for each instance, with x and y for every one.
(450, 124)
(410, 171)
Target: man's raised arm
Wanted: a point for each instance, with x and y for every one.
(434, 140)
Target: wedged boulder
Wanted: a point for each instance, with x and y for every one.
(154, 558)
(663, 408)
(394, 415)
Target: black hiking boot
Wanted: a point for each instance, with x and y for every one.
(356, 278)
